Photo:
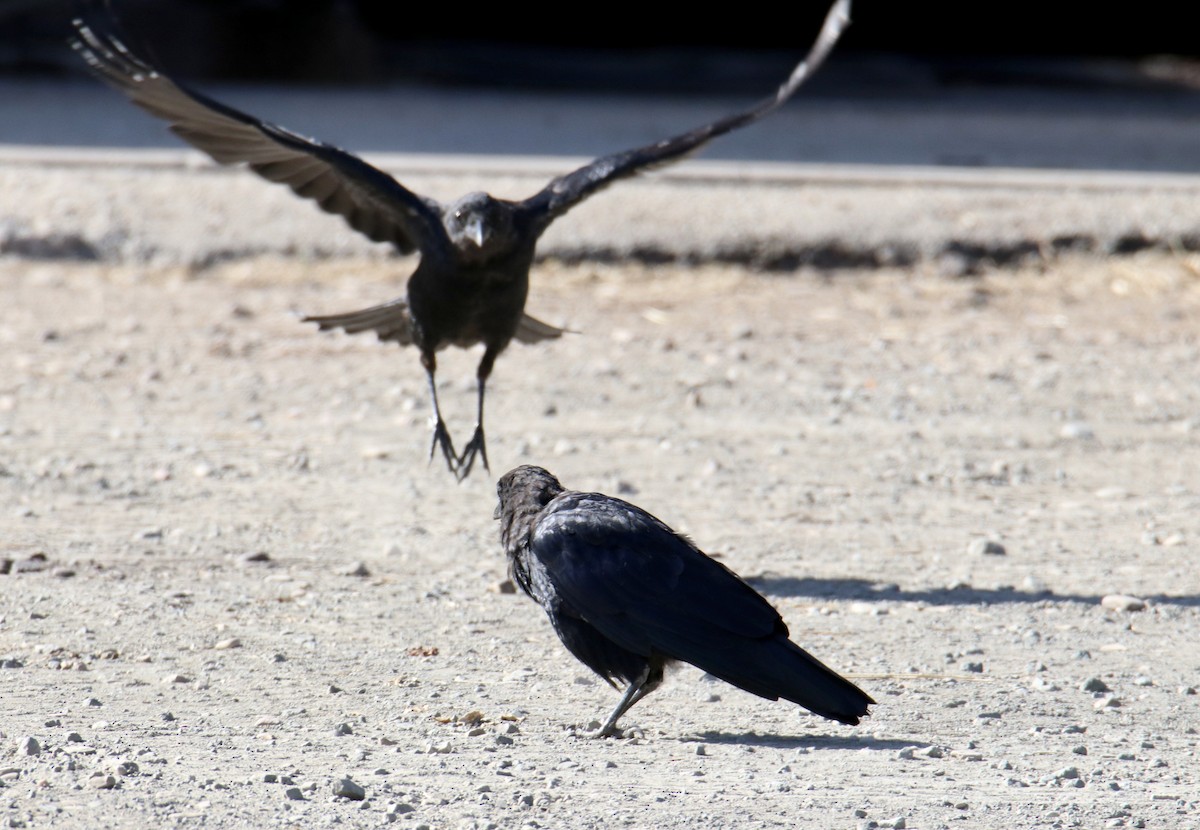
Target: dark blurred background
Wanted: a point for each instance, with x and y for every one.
(626, 48)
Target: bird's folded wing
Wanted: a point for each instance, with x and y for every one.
(644, 586)
(371, 201)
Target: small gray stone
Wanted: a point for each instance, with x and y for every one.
(986, 547)
(346, 788)
(1077, 430)
(30, 746)
(1034, 585)
(36, 562)
(100, 781)
(1122, 602)
(1094, 684)
(293, 794)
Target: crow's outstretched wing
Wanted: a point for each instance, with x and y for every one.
(371, 201)
(568, 190)
(642, 585)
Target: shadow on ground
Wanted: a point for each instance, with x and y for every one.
(813, 742)
(861, 589)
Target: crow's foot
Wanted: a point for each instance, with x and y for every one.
(441, 438)
(476, 446)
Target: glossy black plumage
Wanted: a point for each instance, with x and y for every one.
(472, 280)
(627, 596)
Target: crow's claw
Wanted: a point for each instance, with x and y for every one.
(441, 438)
(476, 446)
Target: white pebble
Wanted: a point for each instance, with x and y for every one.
(1122, 602)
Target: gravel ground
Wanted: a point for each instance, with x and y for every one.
(236, 595)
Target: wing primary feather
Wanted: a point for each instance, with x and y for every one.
(368, 199)
(568, 190)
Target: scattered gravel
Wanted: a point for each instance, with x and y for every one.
(835, 437)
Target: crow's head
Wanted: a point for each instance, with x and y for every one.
(480, 226)
(522, 492)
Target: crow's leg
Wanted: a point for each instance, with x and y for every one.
(649, 680)
(441, 436)
(477, 445)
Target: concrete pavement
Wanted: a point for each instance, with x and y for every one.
(851, 177)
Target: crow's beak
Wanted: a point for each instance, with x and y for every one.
(475, 231)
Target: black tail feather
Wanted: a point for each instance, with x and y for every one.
(779, 668)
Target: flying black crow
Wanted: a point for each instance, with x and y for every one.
(627, 596)
(475, 253)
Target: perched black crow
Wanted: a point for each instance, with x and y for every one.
(627, 596)
(473, 276)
